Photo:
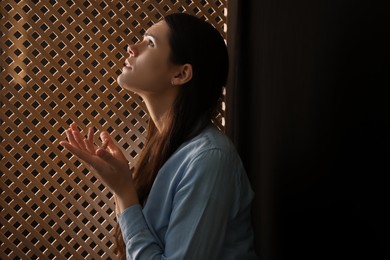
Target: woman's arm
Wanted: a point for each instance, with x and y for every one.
(201, 207)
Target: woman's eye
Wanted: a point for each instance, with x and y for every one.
(151, 43)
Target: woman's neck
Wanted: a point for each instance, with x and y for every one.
(159, 108)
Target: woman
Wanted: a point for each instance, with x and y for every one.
(188, 196)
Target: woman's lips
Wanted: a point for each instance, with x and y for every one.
(127, 65)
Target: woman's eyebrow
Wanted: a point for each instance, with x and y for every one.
(150, 35)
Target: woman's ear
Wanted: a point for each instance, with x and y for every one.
(183, 75)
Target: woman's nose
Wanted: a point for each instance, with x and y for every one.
(132, 50)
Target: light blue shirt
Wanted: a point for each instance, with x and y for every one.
(198, 207)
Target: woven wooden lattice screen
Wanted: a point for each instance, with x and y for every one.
(59, 63)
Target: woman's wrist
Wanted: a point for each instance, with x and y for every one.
(124, 201)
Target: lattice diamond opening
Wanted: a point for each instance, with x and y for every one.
(59, 63)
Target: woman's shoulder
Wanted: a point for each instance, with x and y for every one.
(208, 158)
(211, 138)
(209, 147)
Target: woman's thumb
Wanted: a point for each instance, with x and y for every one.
(104, 154)
(105, 137)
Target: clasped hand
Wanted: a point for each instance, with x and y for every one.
(107, 161)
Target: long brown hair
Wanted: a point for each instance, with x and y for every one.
(196, 42)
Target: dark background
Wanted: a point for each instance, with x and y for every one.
(308, 108)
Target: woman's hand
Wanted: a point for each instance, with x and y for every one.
(108, 161)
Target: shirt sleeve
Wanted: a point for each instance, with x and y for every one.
(140, 243)
(203, 202)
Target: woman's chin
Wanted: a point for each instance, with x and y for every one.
(122, 82)
(127, 87)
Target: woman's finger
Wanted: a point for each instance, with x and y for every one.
(89, 146)
(79, 139)
(106, 139)
(75, 151)
(71, 139)
(90, 159)
(90, 134)
(89, 141)
(104, 145)
(112, 147)
(74, 127)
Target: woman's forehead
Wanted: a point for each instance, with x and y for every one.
(158, 31)
(157, 26)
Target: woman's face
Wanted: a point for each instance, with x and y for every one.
(147, 69)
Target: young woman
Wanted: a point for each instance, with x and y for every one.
(188, 196)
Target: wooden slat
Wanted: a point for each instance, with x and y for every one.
(59, 65)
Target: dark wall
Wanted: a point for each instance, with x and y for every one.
(308, 108)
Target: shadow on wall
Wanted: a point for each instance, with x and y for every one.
(341, 213)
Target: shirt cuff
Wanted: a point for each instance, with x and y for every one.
(131, 222)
